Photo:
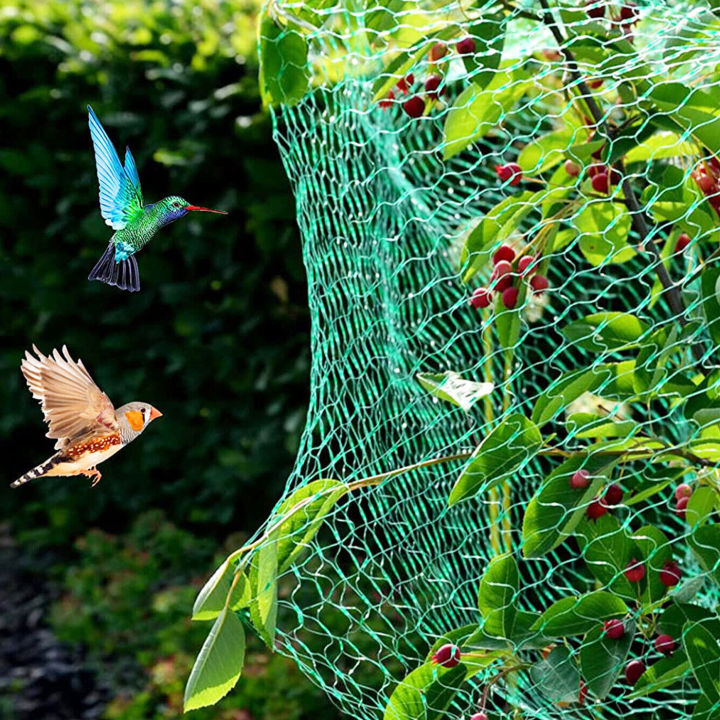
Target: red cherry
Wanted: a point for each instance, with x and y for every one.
(707, 184)
(481, 298)
(595, 510)
(629, 12)
(510, 171)
(572, 168)
(466, 46)
(504, 252)
(387, 101)
(550, 54)
(596, 169)
(595, 10)
(447, 656)
(614, 629)
(597, 154)
(683, 490)
(635, 571)
(595, 84)
(665, 644)
(414, 106)
(539, 283)
(525, 262)
(580, 480)
(670, 575)
(613, 495)
(431, 87)
(582, 693)
(509, 297)
(680, 506)
(615, 176)
(438, 51)
(601, 183)
(633, 670)
(682, 242)
(479, 716)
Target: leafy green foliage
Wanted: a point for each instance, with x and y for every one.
(602, 658)
(578, 615)
(178, 84)
(508, 447)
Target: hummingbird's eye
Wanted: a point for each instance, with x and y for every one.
(177, 204)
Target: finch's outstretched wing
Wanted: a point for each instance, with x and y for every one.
(120, 196)
(72, 403)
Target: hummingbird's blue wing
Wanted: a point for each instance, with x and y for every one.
(120, 197)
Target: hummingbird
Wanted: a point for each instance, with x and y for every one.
(80, 416)
(121, 205)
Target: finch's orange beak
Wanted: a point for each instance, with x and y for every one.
(154, 413)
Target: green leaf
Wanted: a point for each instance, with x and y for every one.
(711, 304)
(606, 550)
(601, 332)
(219, 664)
(263, 583)
(427, 691)
(453, 388)
(700, 506)
(483, 237)
(613, 378)
(304, 511)
(557, 676)
(587, 425)
(284, 73)
(662, 145)
(706, 709)
(701, 648)
(662, 673)
(651, 481)
(602, 658)
(458, 636)
(705, 544)
(546, 151)
(511, 445)
(655, 549)
(476, 111)
(497, 596)
(578, 615)
(691, 109)
(212, 598)
(555, 510)
(604, 228)
(676, 615)
(489, 35)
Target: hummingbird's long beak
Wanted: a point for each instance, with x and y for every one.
(204, 209)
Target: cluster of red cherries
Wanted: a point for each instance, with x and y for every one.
(706, 178)
(627, 16)
(506, 277)
(433, 87)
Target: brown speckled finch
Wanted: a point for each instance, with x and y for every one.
(87, 427)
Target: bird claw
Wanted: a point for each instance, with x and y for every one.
(95, 474)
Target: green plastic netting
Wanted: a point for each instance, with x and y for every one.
(400, 216)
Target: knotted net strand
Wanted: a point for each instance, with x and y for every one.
(384, 216)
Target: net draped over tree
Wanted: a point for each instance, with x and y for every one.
(510, 222)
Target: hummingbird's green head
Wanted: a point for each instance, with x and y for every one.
(174, 207)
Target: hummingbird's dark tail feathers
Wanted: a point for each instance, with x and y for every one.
(123, 274)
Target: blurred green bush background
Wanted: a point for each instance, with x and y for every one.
(217, 339)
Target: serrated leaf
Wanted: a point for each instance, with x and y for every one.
(213, 596)
(219, 664)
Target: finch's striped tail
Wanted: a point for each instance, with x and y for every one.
(39, 471)
(123, 274)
